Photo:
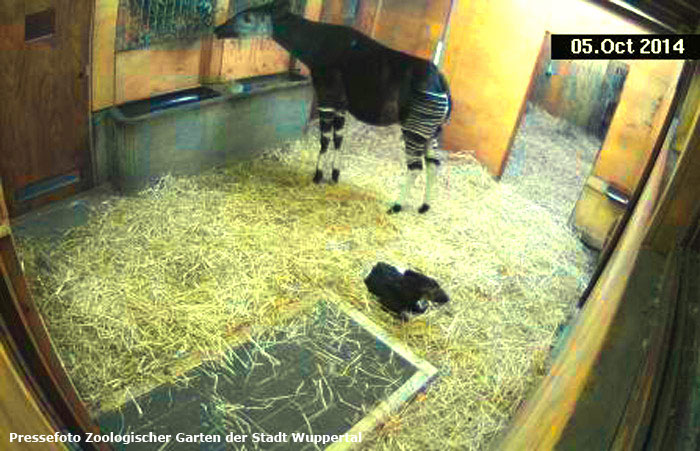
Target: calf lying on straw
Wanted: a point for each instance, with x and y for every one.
(403, 293)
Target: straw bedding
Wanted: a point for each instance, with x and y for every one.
(157, 282)
(549, 161)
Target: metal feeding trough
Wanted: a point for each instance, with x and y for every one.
(323, 383)
(188, 131)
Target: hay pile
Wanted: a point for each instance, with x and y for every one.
(155, 283)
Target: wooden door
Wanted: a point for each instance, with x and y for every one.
(44, 68)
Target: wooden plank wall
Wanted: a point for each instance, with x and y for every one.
(4, 215)
(492, 49)
(414, 26)
(411, 26)
(636, 125)
(689, 111)
(103, 42)
(139, 74)
(644, 104)
(681, 202)
(247, 58)
(574, 91)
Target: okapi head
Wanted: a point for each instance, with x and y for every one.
(423, 287)
(253, 22)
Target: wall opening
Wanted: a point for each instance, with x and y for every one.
(39, 25)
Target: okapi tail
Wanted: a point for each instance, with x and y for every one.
(446, 89)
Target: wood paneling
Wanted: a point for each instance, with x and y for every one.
(644, 103)
(4, 215)
(19, 411)
(143, 73)
(491, 51)
(368, 15)
(103, 42)
(44, 120)
(139, 74)
(250, 57)
(689, 112)
(313, 9)
(681, 198)
(635, 129)
(208, 69)
(332, 12)
(489, 61)
(414, 27)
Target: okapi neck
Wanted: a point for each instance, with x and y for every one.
(291, 32)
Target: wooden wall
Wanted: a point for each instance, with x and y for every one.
(138, 74)
(103, 45)
(573, 90)
(491, 52)
(689, 112)
(414, 26)
(681, 203)
(411, 26)
(19, 411)
(633, 133)
(643, 106)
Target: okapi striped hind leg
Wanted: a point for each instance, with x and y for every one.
(421, 128)
(416, 147)
(326, 116)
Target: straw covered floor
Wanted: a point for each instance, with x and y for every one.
(154, 283)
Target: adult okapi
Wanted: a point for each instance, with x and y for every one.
(352, 72)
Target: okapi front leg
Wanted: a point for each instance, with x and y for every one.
(415, 149)
(326, 116)
(338, 125)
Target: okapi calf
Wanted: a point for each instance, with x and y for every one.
(352, 72)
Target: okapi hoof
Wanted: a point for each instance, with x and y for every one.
(423, 208)
(318, 177)
(394, 209)
(335, 175)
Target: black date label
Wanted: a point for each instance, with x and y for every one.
(626, 46)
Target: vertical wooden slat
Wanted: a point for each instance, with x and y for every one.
(19, 411)
(672, 219)
(4, 215)
(103, 53)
